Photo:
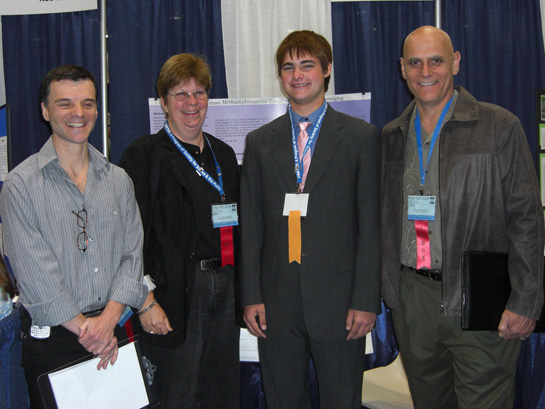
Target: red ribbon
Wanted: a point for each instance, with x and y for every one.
(422, 244)
(227, 249)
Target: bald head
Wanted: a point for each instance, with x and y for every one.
(427, 33)
(428, 65)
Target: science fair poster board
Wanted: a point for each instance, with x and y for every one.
(232, 119)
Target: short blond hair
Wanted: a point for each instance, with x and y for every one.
(181, 68)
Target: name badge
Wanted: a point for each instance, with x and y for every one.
(224, 215)
(422, 208)
(295, 201)
(125, 315)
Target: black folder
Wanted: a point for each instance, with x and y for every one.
(485, 291)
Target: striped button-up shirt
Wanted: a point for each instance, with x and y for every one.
(56, 279)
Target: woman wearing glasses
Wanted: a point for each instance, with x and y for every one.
(187, 187)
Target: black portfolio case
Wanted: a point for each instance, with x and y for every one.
(485, 291)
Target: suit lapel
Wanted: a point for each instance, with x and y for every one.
(282, 151)
(326, 144)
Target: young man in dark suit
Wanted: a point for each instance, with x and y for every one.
(310, 246)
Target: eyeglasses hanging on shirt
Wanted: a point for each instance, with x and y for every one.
(83, 239)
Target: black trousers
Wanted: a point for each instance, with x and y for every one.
(41, 356)
(203, 372)
(339, 368)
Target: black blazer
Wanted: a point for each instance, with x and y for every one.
(169, 224)
(340, 234)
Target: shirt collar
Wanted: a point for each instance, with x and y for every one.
(313, 118)
(48, 154)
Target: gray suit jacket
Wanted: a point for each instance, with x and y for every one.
(339, 269)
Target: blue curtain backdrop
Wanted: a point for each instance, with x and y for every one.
(530, 380)
(33, 45)
(502, 54)
(497, 66)
(141, 38)
(367, 43)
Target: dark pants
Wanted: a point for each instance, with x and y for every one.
(339, 368)
(446, 367)
(41, 356)
(203, 373)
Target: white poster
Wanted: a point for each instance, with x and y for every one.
(15, 7)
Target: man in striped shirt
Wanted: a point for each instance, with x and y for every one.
(73, 236)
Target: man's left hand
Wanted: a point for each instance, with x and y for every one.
(514, 326)
(109, 355)
(359, 323)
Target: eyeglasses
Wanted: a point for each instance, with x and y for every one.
(83, 238)
(183, 96)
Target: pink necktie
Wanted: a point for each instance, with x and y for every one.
(301, 143)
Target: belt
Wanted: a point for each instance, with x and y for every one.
(434, 275)
(208, 265)
(94, 313)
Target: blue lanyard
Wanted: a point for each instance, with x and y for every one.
(193, 162)
(418, 132)
(299, 170)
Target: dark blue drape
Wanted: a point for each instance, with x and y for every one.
(530, 381)
(33, 45)
(502, 54)
(497, 65)
(141, 39)
(367, 43)
(13, 386)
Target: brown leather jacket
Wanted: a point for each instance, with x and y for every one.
(489, 199)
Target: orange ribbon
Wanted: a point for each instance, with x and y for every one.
(294, 232)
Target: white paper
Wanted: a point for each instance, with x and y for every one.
(3, 157)
(45, 6)
(120, 386)
(368, 344)
(248, 347)
(294, 202)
